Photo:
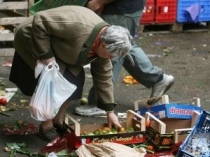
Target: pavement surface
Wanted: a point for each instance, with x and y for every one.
(184, 55)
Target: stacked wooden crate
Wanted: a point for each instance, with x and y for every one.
(12, 13)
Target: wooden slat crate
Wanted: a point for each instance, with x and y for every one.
(12, 13)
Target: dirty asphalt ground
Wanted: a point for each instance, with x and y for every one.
(184, 55)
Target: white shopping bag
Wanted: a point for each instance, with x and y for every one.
(51, 92)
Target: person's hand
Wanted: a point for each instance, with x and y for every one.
(94, 5)
(113, 120)
(47, 61)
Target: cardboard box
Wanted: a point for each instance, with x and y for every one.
(164, 133)
(137, 136)
(170, 110)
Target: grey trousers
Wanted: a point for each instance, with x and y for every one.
(143, 70)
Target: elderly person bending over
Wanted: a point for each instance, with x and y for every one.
(72, 36)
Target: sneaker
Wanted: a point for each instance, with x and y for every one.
(88, 110)
(160, 89)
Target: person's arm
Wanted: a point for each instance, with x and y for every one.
(47, 61)
(101, 71)
(97, 4)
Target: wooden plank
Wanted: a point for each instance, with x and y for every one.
(7, 37)
(13, 5)
(208, 25)
(7, 52)
(173, 28)
(10, 13)
(30, 3)
(11, 20)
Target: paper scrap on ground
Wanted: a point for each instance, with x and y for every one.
(9, 93)
(122, 115)
(8, 63)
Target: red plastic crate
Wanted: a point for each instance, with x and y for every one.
(165, 11)
(148, 13)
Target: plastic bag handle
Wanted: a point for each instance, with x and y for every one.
(52, 65)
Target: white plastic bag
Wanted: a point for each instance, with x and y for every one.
(51, 92)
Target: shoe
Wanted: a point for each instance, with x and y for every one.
(61, 129)
(89, 110)
(48, 134)
(160, 89)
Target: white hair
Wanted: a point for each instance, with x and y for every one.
(118, 41)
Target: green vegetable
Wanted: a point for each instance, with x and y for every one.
(21, 148)
(84, 100)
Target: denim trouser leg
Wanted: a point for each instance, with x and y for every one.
(143, 70)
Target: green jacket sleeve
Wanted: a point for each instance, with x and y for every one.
(101, 70)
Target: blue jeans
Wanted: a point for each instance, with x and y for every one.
(143, 70)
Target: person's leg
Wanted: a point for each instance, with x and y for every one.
(148, 75)
(143, 70)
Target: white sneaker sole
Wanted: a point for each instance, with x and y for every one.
(152, 101)
(98, 113)
(90, 113)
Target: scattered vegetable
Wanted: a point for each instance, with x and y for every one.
(21, 148)
(149, 148)
(19, 128)
(130, 80)
(3, 101)
(84, 100)
(106, 131)
(5, 114)
(148, 122)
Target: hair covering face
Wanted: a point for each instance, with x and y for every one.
(118, 41)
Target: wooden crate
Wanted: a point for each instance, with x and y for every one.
(12, 13)
(164, 133)
(76, 139)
